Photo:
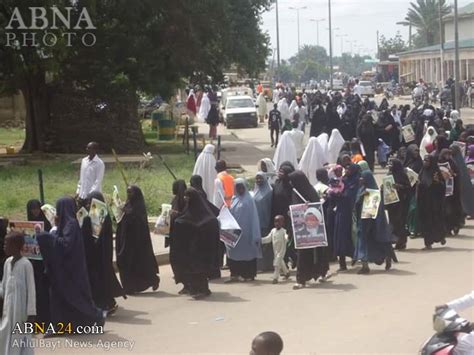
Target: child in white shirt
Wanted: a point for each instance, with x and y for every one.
(278, 238)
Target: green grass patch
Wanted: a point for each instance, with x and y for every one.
(11, 136)
(20, 183)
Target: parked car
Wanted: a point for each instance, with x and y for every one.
(367, 88)
(240, 111)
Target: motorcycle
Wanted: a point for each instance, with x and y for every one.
(448, 326)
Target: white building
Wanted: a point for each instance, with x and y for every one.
(425, 62)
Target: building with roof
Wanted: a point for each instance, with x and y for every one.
(426, 63)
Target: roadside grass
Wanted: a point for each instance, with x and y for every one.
(11, 137)
(18, 184)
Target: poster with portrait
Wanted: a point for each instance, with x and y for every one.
(371, 204)
(412, 176)
(50, 213)
(309, 230)
(97, 214)
(229, 228)
(390, 194)
(81, 214)
(408, 133)
(31, 248)
(462, 147)
(448, 178)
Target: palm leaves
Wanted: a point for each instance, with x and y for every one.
(424, 16)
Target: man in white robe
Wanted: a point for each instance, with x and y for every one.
(205, 167)
(262, 107)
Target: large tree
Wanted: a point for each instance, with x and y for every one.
(388, 46)
(424, 16)
(141, 45)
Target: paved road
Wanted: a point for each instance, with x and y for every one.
(383, 313)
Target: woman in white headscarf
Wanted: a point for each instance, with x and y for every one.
(323, 140)
(427, 140)
(204, 108)
(268, 168)
(312, 160)
(206, 168)
(262, 107)
(334, 146)
(292, 108)
(284, 109)
(285, 151)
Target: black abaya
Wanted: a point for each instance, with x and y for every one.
(136, 261)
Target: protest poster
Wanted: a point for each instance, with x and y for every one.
(412, 176)
(408, 133)
(390, 194)
(81, 214)
(162, 225)
(462, 147)
(448, 178)
(229, 228)
(309, 230)
(371, 204)
(31, 248)
(50, 213)
(116, 206)
(97, 213)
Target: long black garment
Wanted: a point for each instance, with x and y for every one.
(41, 279)
(178, 205)
(99, 257)
(430, 203)
(318, 121)
(65, 262)
(398, 212)
(197, 232)
(136, 261)
(313, 262)
(366, 133)
(454, 213)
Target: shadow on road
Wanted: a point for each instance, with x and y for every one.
(331, 285)
(222, 297)
(437, 250)
(128, 316)
(154, 294)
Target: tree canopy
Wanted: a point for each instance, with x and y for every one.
(388, 46)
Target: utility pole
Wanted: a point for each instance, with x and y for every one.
(456, 59)
(278, 34)
(317, 28)
(330, 46)
(378, 47)
(298, 21)
(441, 41)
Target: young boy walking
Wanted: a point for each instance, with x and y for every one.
(19, 300)
(278, 238)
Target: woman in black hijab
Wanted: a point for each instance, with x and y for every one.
(453, 206)
(281, 201)
(34, 213)
(430, 203)
(413, 159)
(99, 254)
(197, 229)
(398, 212)
(196, 182)
(63, 254)
(136, 261)
(313, 262)
(366, 133)
(467, 189)
(318, 121)
(414, 162)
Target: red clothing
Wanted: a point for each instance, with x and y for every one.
(191, 104)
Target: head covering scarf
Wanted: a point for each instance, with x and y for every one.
(41, 218)
(428, 138)
(136, 204)
(413, 160)
(206, 167)
(196, 182)
(204, 108)
(178, 203)
(470, 154)
(245, 213)
(323, 140)
(312, 159)
(284, 109)
(467, 196)
(262, 195)
(336, 141)
(197, 211)
(270, 173)
(285, 151)
(364, 166)
(426, 174)
(398, 173)
(262, 105)
(300, 183)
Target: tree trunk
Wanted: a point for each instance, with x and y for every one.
(35, 93)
